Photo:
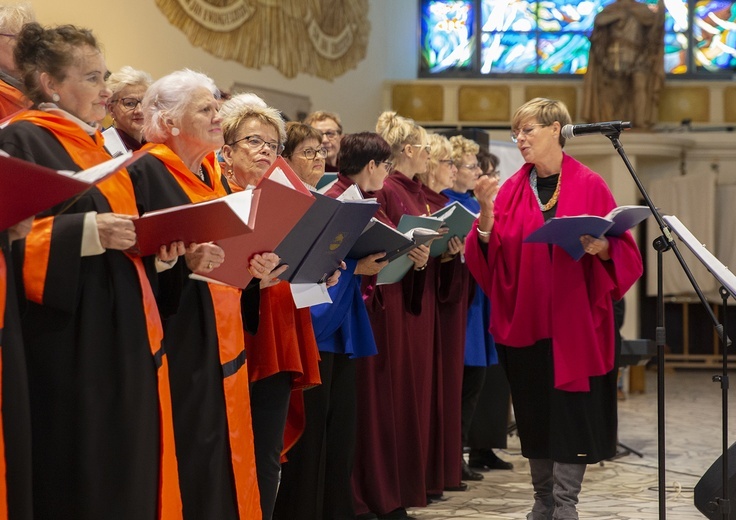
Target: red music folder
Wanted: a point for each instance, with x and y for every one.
(28, 188)
(282, 202)
(207, 221)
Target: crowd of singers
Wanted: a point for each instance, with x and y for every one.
(132, 391)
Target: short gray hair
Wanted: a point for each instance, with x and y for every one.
(15, 16)
(128, 77)
(168, 98)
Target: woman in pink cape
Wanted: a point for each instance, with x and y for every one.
(553, 316)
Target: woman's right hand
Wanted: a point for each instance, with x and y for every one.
(115, 231)
(203, 258)
(420, 256)
(485, 191)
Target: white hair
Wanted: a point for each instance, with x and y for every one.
(15, 16)
(168, 98)
(246, 106)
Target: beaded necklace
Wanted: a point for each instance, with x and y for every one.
(553, 200)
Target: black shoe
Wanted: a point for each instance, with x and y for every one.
(396, 514)
(469, 474)
(436, 498)
(462, 487)
(486, 459)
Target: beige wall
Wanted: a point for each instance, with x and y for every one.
(136, 33)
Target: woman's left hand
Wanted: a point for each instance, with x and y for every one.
(169, 253)
(455, 246)
(263, 266)
(595, 246)
(332, 280)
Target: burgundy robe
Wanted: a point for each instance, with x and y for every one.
(451, 294)
(390, 448)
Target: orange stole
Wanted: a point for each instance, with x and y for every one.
(87, 151)
(229, 326)
(11, 100)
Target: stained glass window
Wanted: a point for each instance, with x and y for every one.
(527, 37)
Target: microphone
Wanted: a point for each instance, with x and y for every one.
(607, 128)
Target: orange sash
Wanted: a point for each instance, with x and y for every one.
(230, 338)
(11, 100)
(87, 151)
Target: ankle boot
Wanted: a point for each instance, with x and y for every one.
(568, 480)
(542, 471)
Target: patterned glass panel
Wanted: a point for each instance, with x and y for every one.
(447, 35)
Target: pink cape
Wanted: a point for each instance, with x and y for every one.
(534, 297)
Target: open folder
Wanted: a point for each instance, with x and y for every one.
(420, 230)
(323, 238)
(566, 231)
(458, 220)
(28, 189)
(282, 202)
(207, 221)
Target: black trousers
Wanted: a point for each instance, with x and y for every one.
(316, 479)
(269, 404)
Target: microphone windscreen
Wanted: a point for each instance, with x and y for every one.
(568, 131)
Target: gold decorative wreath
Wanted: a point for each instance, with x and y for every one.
(324, 38)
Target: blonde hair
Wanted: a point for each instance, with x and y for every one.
(127, 77)
(321, 115)
(398, 131)
(242, 107)
(461, 146)
(439, 147)
(545, 111)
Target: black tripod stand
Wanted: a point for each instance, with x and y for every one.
(665, 242)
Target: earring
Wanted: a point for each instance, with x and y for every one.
(174, 131)
(55, 97)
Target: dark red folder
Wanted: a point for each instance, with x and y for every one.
(202, 222)
(27, 189)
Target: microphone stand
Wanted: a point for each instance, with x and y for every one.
(661, 244)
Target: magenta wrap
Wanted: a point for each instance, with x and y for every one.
(535, 296)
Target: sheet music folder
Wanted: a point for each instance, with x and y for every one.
(28, 188)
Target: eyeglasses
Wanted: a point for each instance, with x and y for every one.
(311, 154)
(448, 162)
(255, 143)
(11, 36)
(473, 166)
(425, 146)
(388, 164)
(331, 134)
(129, 103)
(527, 131)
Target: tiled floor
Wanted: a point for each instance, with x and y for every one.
(625, 488)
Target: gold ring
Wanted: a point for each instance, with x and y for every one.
(209, 266)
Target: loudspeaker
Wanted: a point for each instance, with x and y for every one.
(710, 487)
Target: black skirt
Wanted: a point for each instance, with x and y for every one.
(567, 427)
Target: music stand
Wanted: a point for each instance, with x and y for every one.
(728, 287)
(664, 242)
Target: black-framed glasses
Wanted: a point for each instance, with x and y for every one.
(331, 134)
(526, 131)
(311, 154)
(129, 103)
(255, 143)
(448, 162)
(8, 35)
(388, 164)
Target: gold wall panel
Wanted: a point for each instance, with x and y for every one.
(678, 103)
(484, 103)
(568, 95)
(729, 104)
(419, 102)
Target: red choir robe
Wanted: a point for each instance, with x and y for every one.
(101, 417)
(204, 338)
(393, 413)
(451, 318)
